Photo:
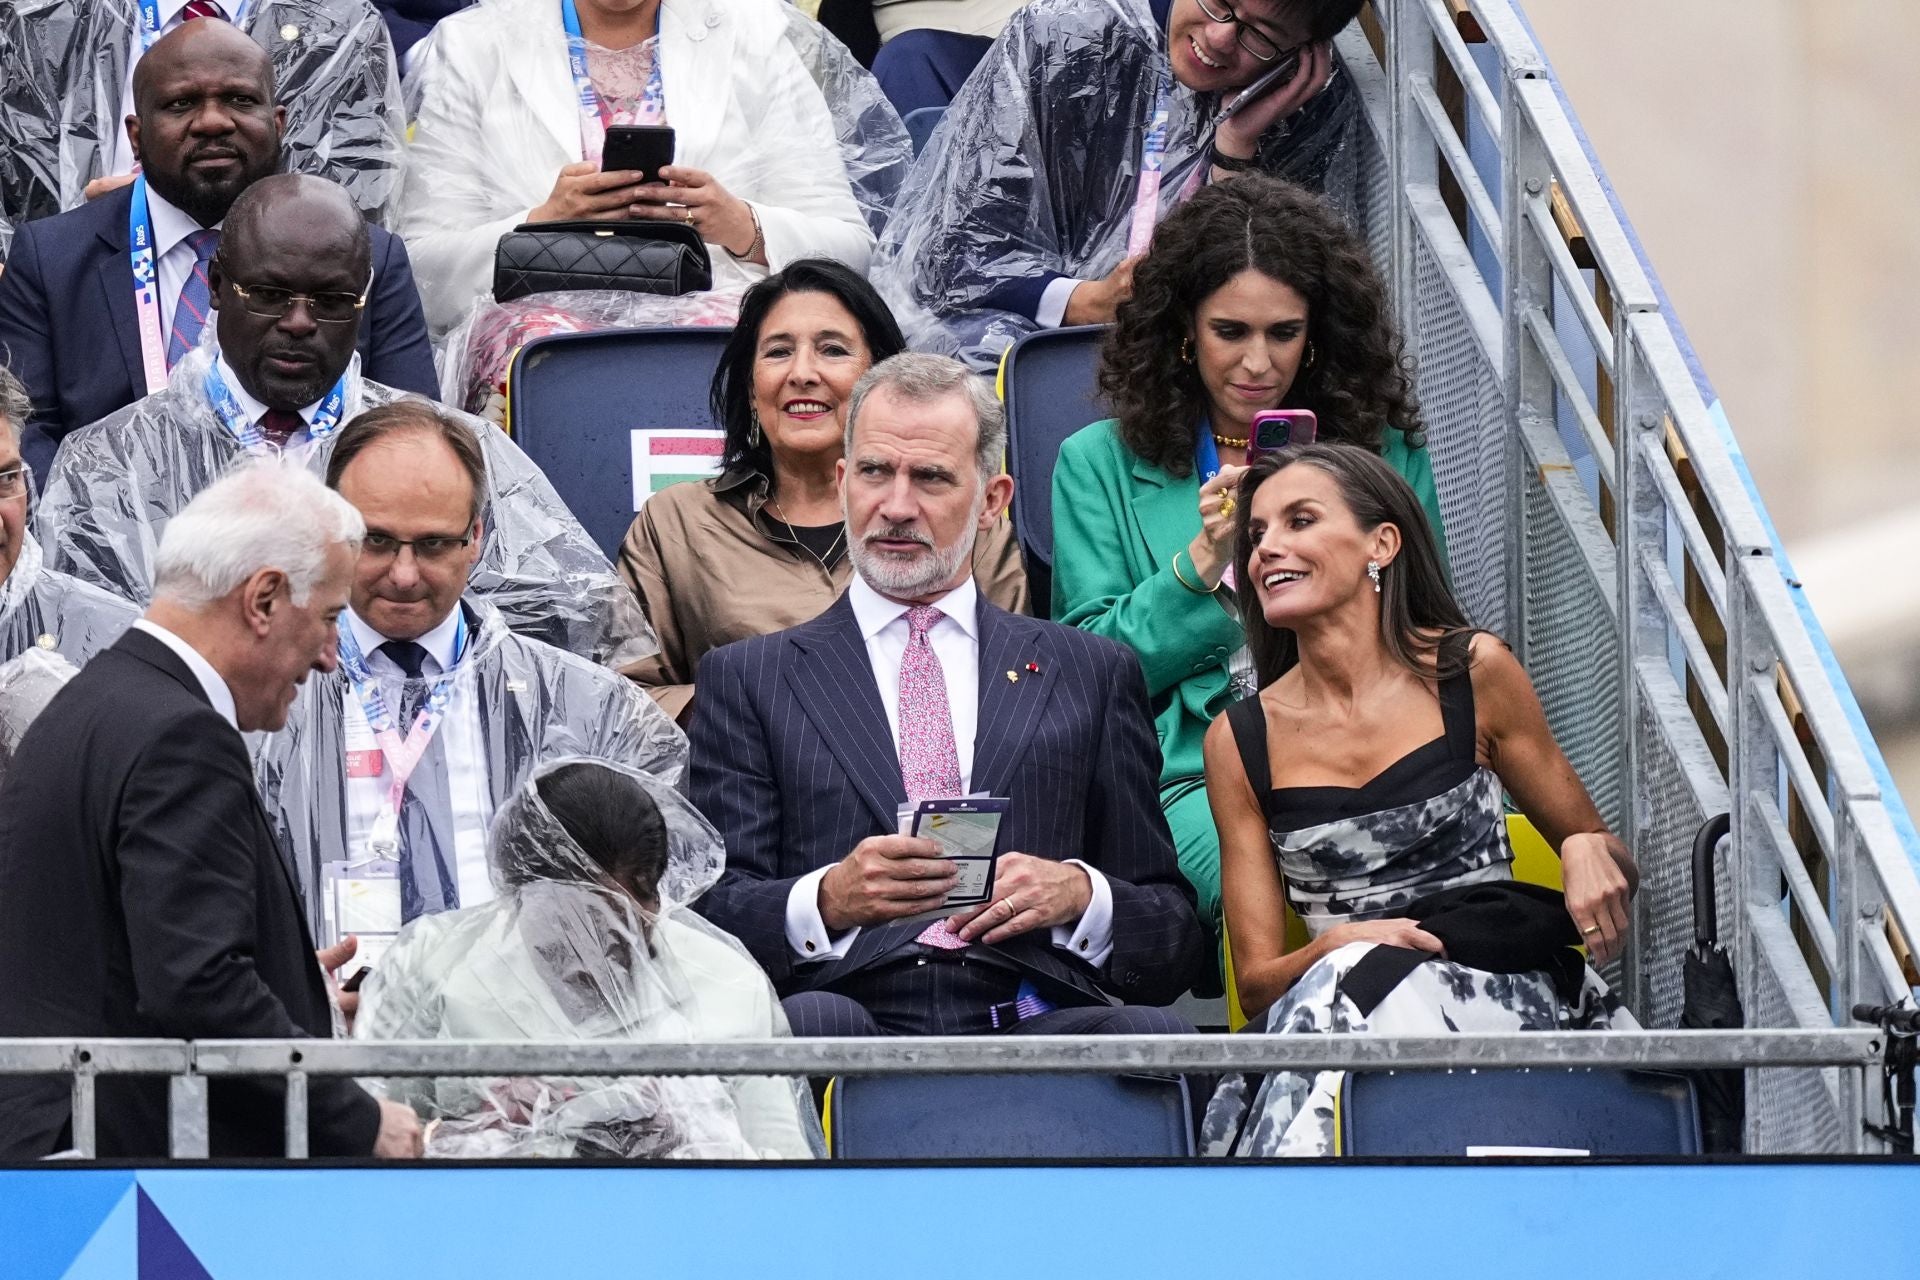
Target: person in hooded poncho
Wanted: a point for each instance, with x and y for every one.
(39, 608)
(289, 383)
(1021, 211)
(390, 768)
(65, 90)
(588, 937)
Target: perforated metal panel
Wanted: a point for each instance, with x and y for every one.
(1466, 417)
(1794, 1112)
(1374, 189)
(1670, 817)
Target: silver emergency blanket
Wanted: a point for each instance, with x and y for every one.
(42, 609)
(788, 121)
(27, 685)
(533, 704)
(117, 483)
(1034, 169)
(63, 67)
(562, 954)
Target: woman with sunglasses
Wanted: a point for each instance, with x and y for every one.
(1085, 124)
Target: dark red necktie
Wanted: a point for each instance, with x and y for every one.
(280, 426)
(202, 9)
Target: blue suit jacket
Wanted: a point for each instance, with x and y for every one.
(69, 331)
(411, 21)
(793, 760)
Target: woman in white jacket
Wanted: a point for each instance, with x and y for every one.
(766, 135)
(589, 939)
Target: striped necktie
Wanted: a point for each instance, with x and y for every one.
(202, 9)
(190, 313)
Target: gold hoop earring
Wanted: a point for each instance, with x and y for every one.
(1186, 349)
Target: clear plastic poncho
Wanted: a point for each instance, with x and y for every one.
(63, 67)
(758, 95)
(560, 954)
(27, 684)
(514, 705)
(116, 484)
(1034, 170)
(41, 609)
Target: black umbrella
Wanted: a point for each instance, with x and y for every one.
(1713, 1000)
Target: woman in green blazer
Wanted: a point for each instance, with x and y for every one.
(1256, 295)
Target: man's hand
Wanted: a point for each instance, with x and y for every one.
(1096, 301)
(400, 1136)
(331, 958)
(1239, 137)
(884, 878)
(101, 186)
(1029, 893)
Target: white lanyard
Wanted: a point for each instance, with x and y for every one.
(402, 756)
(594, 115)
(251, 438)
(1153, 154)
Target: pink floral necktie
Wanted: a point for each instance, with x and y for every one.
(929, 761)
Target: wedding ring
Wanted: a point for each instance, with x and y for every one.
(1590, 930)
(686, 214)
(1226, 505)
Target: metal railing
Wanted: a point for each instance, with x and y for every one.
(1856, 1054)
(1635, 575)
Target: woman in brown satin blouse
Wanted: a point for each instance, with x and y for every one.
(762, 546)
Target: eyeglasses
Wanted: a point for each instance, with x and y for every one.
(381, 547)
(270, 302)
(13, 482)
(1251, 38)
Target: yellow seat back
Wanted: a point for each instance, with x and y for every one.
(1534, 862)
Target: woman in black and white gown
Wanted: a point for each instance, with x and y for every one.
(1364, 787)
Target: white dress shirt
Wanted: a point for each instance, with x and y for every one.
(955, 640)
(122, 153)
(255, 411)
(211, 681)
(459, 732)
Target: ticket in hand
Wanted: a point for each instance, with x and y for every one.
(968, 833)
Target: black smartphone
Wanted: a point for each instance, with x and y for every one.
(353, 983)
(646, 148)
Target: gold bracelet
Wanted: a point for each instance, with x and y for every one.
(759, 236)
(1174, 564)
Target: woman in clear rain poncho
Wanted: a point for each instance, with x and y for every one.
(589, 938)
(63, 77)
(1021, 212)
(785, 148)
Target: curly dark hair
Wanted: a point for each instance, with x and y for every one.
(1359, 382)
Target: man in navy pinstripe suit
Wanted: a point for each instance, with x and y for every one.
(806, 742)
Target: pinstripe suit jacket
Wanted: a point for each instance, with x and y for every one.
(794, 762)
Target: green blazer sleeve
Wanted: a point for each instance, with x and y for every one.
(1415, 466)
(1117, 523)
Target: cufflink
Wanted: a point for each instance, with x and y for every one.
(810, 944)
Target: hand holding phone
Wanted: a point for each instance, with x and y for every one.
(645, 149)
(1275, 429)
(1271, 99)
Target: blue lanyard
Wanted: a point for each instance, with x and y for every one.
(146, 288)
(150, 23)
(234, 418)
(374, 703)
(594, 116)
(1206, 455)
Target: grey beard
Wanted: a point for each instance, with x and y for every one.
(907, 579)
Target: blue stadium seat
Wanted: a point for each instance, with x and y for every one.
(1009, 1117)
(920, 123)
(1439, 1113)
(1048, 383)
(575, 399)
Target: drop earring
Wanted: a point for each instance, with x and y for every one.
(1373, 572)
(1186, 349)
(753, 428)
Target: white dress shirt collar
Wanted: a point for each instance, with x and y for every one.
(244, 398)
(875, 613)
(440, 643)
(211, 681)
(171, 224)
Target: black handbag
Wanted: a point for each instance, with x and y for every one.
(638, 257)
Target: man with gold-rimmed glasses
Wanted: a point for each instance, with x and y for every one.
(286, 289)
(40, 608)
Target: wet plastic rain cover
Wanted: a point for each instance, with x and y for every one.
(1032, 173)
(44, 610)
(63, 68)
(116, 484)
(514, 704)
(27, 684)
(560, 955)
(770, 105)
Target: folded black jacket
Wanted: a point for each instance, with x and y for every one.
(1499, 927)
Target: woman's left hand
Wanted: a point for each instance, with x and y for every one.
(1596, 892)
(695, 197)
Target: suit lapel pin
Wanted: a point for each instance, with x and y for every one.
(1034, 667)
(1013, 677)
(47, 642)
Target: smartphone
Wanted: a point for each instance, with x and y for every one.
(1277, 428)
(647, 148)
(353, 983)
(1282, 71)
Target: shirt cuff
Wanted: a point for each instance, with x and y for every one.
(1052, 311)
(1092, 938)
(807, 932)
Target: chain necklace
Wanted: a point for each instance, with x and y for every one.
(833, 549)
(1230, 442)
